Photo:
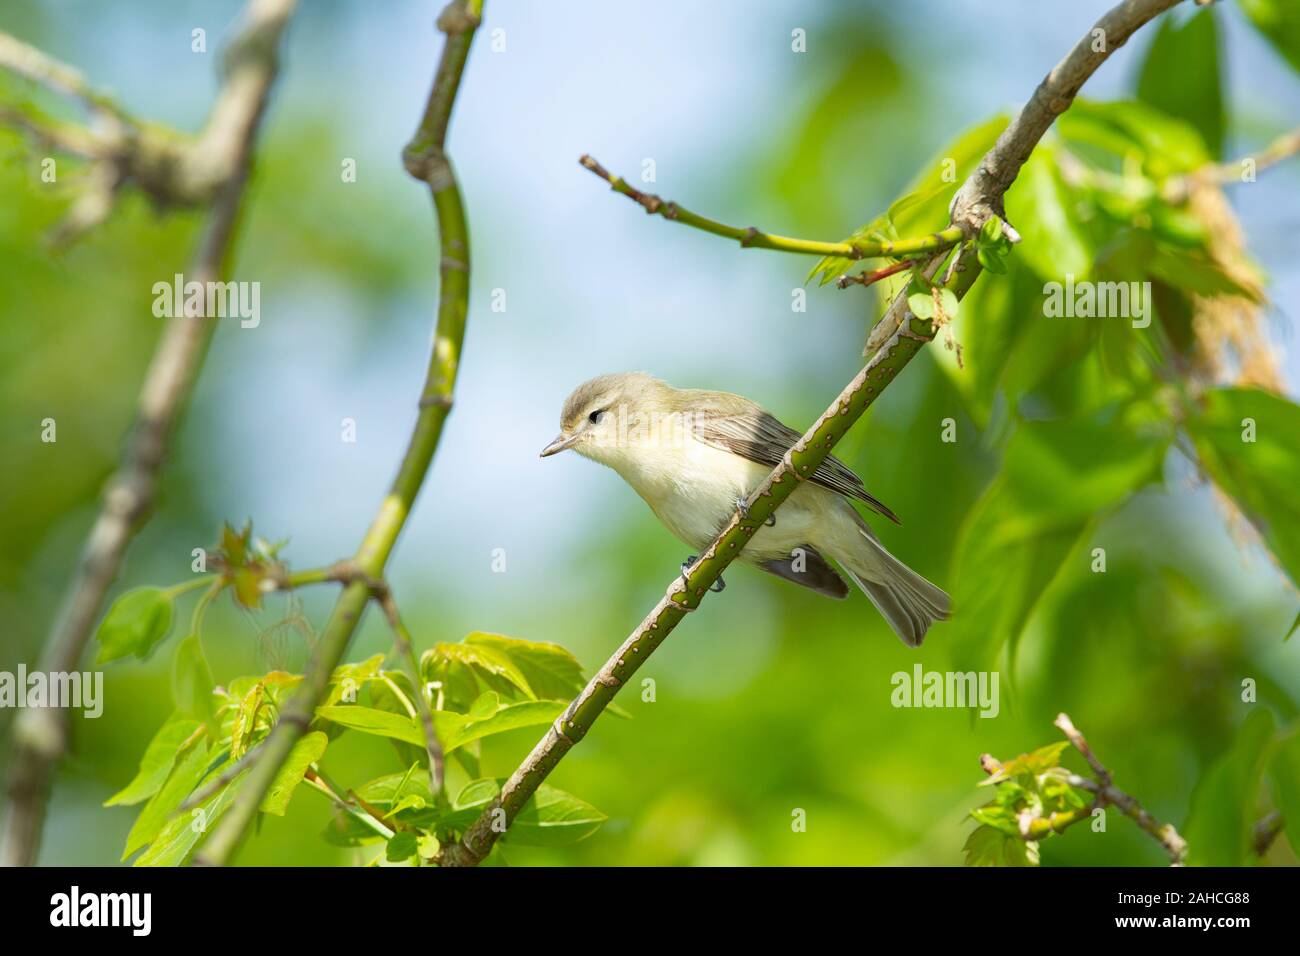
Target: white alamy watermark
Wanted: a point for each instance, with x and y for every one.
(634, 428)
(65, 690)
(75, 908)
(978, 689)
(1098, 300)
(215, 300)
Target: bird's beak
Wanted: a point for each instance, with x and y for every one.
(559, 444)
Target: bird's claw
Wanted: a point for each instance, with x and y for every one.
(715, 587)
(743, 507)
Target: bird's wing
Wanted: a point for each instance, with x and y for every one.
(754, 434)
(812, 572)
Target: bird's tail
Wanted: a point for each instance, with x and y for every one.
(908, 601)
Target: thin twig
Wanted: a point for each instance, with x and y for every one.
(40, 736)
(871, 278)
(1104, 793)
(425, 158)
(1108, 793)
(984, 193)
(405, 651)
(754, 238)
(1226, 174)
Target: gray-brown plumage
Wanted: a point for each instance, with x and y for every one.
(694, 455)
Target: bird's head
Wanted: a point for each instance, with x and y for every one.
(605, 416)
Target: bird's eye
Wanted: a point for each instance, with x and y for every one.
(596, 416)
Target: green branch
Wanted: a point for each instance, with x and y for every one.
(425, 159)
(752, 238)
(902, 344)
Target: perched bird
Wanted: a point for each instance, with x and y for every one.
(695, 456)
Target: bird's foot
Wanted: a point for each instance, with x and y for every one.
(743, 507)
(716, 586)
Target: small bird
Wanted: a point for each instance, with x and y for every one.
(695, 456)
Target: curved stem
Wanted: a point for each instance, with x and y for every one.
(425, 159)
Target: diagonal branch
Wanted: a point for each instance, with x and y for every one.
(426, 160)
(40, 736)
(983, 194)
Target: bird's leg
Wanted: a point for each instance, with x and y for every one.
(743, 507)
(716, 586)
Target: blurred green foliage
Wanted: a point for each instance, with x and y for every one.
(1074, 435)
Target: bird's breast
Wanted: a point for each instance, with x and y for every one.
(693, 488)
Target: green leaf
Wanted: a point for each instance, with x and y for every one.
(1057, 476)
(551, 817)
(1222, 815)
(942, 175)
(350, 678)
(549, 670)
(493, 665)
(135, 624)
(1041, 760)
(1044, 210)
(485, 706)
(923, 207)
(185, 776)
(991, 260)
(989, 846)
(949, 302)
(1165, 145)
(921, 304)
(305, 752)
(1285, 772)
(182, 832)
(192, 682)
(157, 761)
(1192, 95)
(393, 788)
(381, 723)
(1279, 22)
(402, 846)
(1261, 476)
(455, 730)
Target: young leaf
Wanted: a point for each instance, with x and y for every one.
(1044, 210)
(990, 846)
(549, 670)
(381, 723)
(455, 730)
(157, 761)
(181, 833)
(1190, 95)
(192, 682)
(189, 770)
(135, 624)
(402, 846)
(305, 752)
(551, 818)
